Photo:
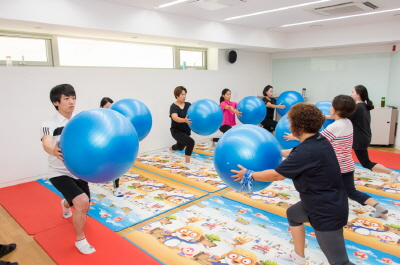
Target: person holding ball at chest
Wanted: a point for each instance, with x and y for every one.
(315, 172)
(180, 122)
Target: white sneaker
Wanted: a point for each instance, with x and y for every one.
(191, 166)
(394, 176)
(295, 258)
(66, 211)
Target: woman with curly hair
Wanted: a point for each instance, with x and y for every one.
(315, 172)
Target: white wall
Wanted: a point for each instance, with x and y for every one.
(329, 72)
(25, 99)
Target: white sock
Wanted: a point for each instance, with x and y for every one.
(379, 210)
(66, 211)
(84, 247)
(393, 176)
(297, 259)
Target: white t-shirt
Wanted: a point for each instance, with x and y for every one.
(340, 135)
(54, 127)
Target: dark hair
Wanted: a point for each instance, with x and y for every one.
(226, 90)
(305, 118)
(178, 90)
(345, 105)
(105, 100)
(57, 91)
(363, 92)
(266, 90)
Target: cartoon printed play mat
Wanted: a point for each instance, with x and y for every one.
(230, 227)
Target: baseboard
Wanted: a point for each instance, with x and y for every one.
(19, 181)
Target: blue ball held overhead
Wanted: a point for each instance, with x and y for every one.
(206, 117)
(288, 98)
(137, 113)
(250, 146)
(99, 145)
(324, 106)
(283, 127)
(253, 110)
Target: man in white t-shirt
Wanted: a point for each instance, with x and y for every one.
(75, 191)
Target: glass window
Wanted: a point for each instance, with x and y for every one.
(29, 51)
(85, 52)
(192, 58)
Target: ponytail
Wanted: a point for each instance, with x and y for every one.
(363, 93)
(223, 93)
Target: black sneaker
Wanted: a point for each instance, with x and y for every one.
(5, 249)
(8, 263)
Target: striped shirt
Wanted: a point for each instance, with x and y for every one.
(340, 135)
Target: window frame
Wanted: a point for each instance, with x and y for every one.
(48, 43)
(184, 48)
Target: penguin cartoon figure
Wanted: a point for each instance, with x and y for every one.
(186, 234)
(237, 257)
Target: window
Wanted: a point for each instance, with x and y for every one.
(193, 58)
(86, 52)
(25, 50)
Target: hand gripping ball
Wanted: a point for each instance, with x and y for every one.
(206, 117)
(283, 127)
(99, 145)
(137, 113)
(250, 146)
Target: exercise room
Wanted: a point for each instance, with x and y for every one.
(200, 132)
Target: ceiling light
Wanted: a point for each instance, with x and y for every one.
(336, 18)
(172, 3)
(275, 10)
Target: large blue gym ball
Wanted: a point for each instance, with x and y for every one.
(137, 113)
(281, 128)
(288, 98)
(206, 117)
(324, 106)
(250, 146)
(253, 110)
(99, 145)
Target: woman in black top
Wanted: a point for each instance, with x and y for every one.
(315, 172)
(361, 120)
(180, 130)
(269, 123)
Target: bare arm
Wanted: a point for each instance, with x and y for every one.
(286, 152)
(290, 137)
(175, 117)
(47, 143)
(329, 117)
(266, 175)
(280, 106)
(236, 111)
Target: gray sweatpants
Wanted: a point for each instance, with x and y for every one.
(331, 242)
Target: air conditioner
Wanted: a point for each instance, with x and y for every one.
(346, 8)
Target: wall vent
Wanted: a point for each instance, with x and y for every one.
(345, 8)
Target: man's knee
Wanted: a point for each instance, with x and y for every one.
(81, 202)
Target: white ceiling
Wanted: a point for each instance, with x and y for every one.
(271, 21)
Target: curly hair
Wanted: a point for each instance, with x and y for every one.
(305, 118)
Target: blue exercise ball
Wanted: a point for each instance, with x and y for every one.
(283, 127)
(137, 113)
(206, 117)
(253, 110)
(288, 98)
(324, 106)
(99, 145)
(250, 146)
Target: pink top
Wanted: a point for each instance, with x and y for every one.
(229, 115)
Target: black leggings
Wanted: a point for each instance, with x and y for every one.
(182, 140)
(352, 193)
(331, 242)
(116, 183)
(363, 157)
(269, 125)
(223, 129)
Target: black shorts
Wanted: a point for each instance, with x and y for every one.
(70, 188)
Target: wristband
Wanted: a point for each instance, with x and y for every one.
(247, 180)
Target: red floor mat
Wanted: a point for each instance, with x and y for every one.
(389, 160)
(110, 247)
(33, 206)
